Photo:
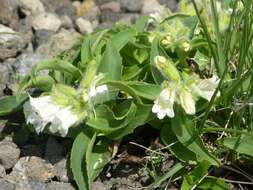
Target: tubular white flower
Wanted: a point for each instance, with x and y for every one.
(164, 103)
(43, 111)
(206, 87)
(187, 102)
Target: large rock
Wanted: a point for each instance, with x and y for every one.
(46, 21)
(59, 186)
(65, 39)
(2, 171)
(9, 12)
(32, 168)
(9, 153)
(11, 42)
(29, 7)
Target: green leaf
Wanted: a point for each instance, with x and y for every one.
(186, 133)
(44, 83)
(58, 65)
(97, 156)
(145, 90)
(106, 122)
(177, 148)
(242, 144)
(214, 183)
(173, 171)
(120, 39)
(143, 115)
(202, 60)
(196, 176)
(111, 63)
(10, 104)
(77, 159)
(141, 24)
(155, 51)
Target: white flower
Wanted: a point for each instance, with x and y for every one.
(94, 91)
(187, 102)
(43, 111)
(185, 94)
(62, 121)
(206, 87)
(164, 103)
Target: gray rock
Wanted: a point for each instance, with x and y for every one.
(66, 22)
(97, 185)
(2, 122)
(25, 62)
(92, 14)
(42, 36)
(5, 185)
(59, 186)
(9, 12)
(65, 39)
(29, 7)
(35, 185)
(11, 42)
(54, 150)
(32, 168)
(7, 79)
(25, 24)
(61, 168)
(2, 171)
(151, 6)
(9, 153)
(84, 26)
(46, 21)
(171, 4)
(131, 5)
(60, 7)
(111, 6)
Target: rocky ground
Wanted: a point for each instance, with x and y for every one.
(32, 31)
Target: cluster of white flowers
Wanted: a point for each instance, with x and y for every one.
(184, 93)
(43, 111)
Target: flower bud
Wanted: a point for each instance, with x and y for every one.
(167, 68)
(187, 102)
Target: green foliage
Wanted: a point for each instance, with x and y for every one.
(115, 84)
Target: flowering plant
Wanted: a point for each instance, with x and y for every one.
(166, 71)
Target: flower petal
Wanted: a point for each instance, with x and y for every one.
(187, 102)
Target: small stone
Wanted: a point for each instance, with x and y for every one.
(111, 6)
(92, 14)
(59, 6)
(84, 26)
(32, 168)
(59, 186)
(11, 42)
(46, 21)
(2, 122)
(2, 171)
(172, 4)
(9, 13)
(132, 5)
(9, 153)
(42, 36)
(25, 24)
(29, 7)
(61, 168)
(97, 185)
(151, 6)
(66, 22)
(65, 39)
